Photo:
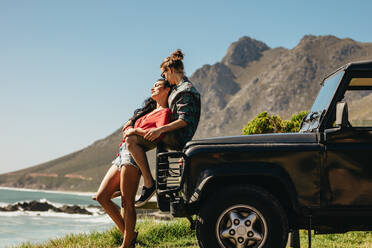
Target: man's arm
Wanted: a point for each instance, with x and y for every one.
(154, 133)
(138, 131)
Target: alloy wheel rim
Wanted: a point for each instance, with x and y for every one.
(241, 226)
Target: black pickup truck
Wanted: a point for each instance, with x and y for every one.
(251, 191)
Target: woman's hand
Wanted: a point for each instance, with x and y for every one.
(153, 133)
(128, 132)
(126, 125)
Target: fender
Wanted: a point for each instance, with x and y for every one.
(236, 173)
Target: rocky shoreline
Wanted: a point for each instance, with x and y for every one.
(150, 210)
(44, 207)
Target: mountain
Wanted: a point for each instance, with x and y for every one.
(252, 78)
(249, 79)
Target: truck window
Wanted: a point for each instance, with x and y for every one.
(360, 107)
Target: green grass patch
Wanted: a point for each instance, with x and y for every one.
(152, 233)
(345, 240)
(176, 233)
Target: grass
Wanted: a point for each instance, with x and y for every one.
(176, 233)
(345, 240)
(152, 233)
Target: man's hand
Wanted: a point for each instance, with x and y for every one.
(153, 133)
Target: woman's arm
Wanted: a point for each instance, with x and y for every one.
(127, 124)
(124, 132)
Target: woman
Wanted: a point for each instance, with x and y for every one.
(124, 173)
(184, 103)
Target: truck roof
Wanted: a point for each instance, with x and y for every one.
(365, 65)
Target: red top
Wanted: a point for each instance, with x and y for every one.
(153, 120)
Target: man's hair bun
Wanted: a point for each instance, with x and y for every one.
(174, 61)
(177, 55)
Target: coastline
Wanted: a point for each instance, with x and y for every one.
(49, 191)
(153, 198)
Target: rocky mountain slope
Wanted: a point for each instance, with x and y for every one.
(281, 81)
(251, 78)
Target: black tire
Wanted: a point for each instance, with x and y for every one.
(246, 214)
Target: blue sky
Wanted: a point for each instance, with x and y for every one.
(72, 72)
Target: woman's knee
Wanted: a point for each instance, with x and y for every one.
(131, 140)
(102, 198)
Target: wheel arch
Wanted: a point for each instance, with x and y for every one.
(269, 177)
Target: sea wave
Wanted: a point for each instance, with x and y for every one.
(93, 210)
(51, 191)
(50, 214)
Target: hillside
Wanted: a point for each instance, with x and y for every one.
(249, 79)
(278, 80)
(78, 171)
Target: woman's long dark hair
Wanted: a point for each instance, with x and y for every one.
(148, 105)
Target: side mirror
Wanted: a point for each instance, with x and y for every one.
(342, 115)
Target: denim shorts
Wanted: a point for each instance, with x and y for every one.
(125, 158)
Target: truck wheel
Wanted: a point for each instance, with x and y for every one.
(242, 217)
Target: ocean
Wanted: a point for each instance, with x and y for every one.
(37, 227)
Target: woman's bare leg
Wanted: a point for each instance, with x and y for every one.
(139, 156)
(130, 177)
(110, 184)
